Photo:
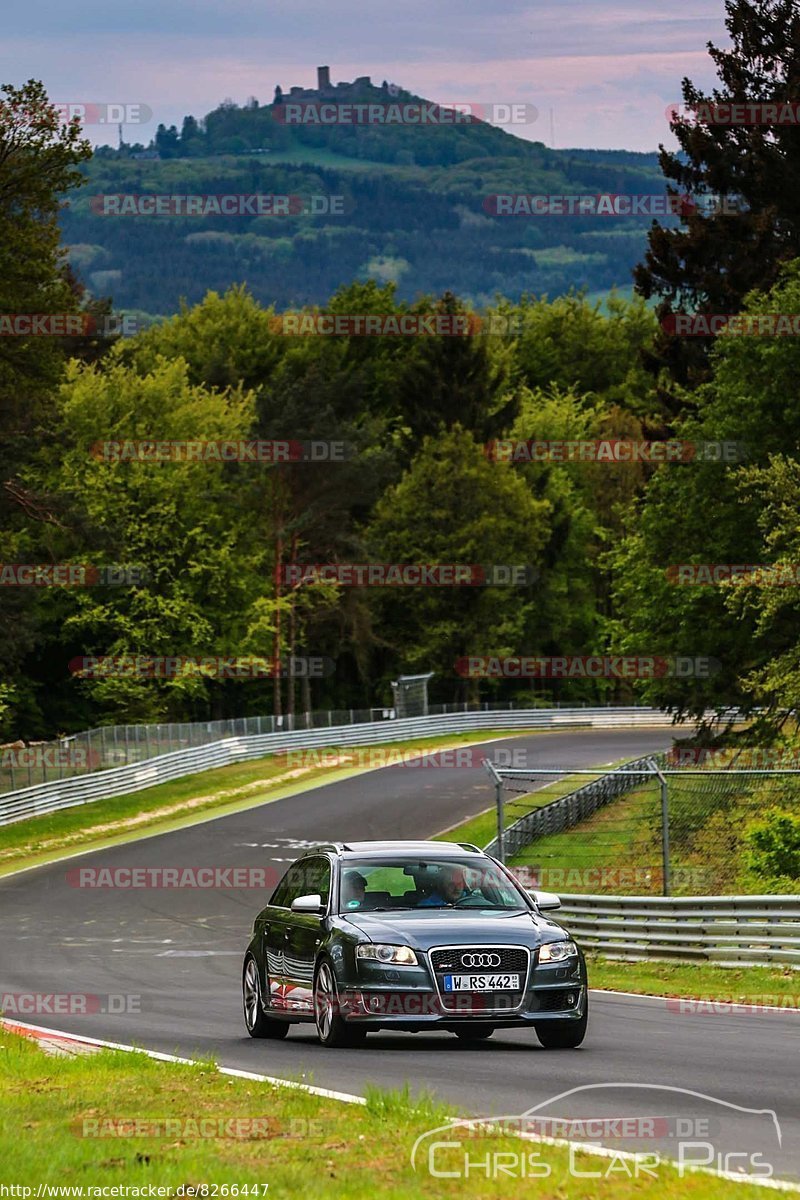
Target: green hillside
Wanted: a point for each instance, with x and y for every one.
(411, 206)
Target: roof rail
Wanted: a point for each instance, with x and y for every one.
(334, 846)
(469, 846)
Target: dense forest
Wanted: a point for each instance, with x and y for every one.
(209, 542)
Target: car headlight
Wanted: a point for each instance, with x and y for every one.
(396, 955)
(557, 951)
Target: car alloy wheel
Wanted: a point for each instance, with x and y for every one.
(258, 1025)
(332, 1029)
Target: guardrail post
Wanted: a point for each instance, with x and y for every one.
(665, 856)
(498, 793)
(665, 835)
(499, 797)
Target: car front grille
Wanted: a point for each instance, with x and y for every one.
(480, 960)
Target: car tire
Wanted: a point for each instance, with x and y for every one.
(562, 1035)
(475, 1033)
(332, 1030)
(256, 1022)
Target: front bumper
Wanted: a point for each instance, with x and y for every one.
(555, 992)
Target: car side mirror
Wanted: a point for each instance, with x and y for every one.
(308, 904)
(545, 900)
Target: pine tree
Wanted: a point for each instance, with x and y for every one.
(749, 173)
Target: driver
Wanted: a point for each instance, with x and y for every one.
(450, 888)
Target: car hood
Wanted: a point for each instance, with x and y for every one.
(435, 927)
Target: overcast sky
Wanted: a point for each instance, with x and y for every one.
(606, 69)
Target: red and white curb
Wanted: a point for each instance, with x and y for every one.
(59, 1045)
(55, 1041)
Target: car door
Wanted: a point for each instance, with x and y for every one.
(275, 931)
(304, 934)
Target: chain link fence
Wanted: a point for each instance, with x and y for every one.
(651, 828)
(26, 764)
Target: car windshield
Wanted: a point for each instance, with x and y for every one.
(410, 882)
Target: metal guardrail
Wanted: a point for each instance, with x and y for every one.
(726, 930)
(576, 806)
(110, 746)
(119, 781)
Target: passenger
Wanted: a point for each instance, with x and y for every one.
(354, 889)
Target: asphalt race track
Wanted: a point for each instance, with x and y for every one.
(176, 954)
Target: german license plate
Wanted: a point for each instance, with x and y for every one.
(481, 983)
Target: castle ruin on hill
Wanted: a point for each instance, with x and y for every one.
(326, 89)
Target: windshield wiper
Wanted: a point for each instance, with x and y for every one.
(379, 908)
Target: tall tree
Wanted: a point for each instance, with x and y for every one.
(701, 512)
(454, 380)
(39, 161)
(453, 505)
(722, 251)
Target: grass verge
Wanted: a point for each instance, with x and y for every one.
(481, 829)
(778, 986)
(301, 1145)
(184, 801)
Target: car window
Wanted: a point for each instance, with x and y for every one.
(290, 887)
(308, 877)
(418, 883)
(317, 876)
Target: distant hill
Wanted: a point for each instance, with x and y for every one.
(413, 205)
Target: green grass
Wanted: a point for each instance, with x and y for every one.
(739, 985)
(301, 1145)
(619, 849)
(613, 850)
(185, 801)
(481, 829)
(321, 156)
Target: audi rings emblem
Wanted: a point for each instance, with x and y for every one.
(480, 960)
